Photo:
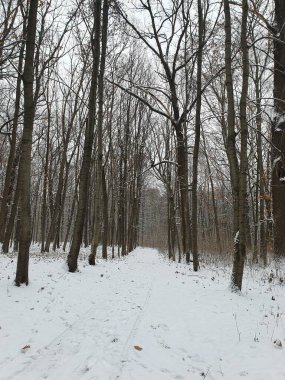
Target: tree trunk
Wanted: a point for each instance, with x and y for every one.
(11, 222)
(45, 183)
(22, 276)
(261, 216)
(278, 133)
(57, 204)
(231, 133)
(241, 238)
(12, 162)
(197, 141)
(105, 217)
(70, 215)
(97, 232)
(88, 144)
(182, 175)
(216, 219)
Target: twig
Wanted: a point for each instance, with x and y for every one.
(239, 333)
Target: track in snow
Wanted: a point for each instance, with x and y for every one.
(97, 342)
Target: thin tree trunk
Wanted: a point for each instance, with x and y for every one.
(97, 233)
(57, 205)
(197, 141)
(216, 219)
(240, 254)
(45, 183)
(261, 216)
(11, 222)
(105, 217)
(12, 163)
(231, 133)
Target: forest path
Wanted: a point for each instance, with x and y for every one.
(141, 317)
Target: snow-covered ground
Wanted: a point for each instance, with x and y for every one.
(139, 318)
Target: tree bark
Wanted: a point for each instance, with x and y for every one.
(22, 276)
(278, 133)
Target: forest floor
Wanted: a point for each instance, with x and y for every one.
(140, 318)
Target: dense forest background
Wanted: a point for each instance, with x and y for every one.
(154, 123)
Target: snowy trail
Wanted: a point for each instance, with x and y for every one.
(95, 343)
(189, 326)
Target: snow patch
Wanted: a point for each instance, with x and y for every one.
(236, 238)
(279, 120)
(275, 162)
